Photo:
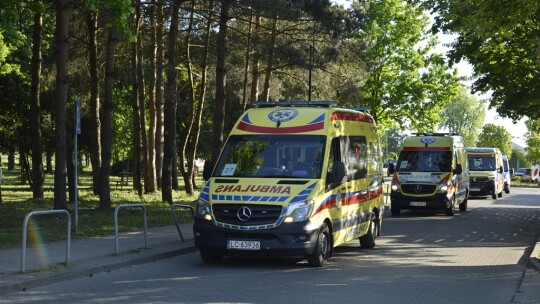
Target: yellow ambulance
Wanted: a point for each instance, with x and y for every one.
(431, 174)
(486, 172)
(294, 179)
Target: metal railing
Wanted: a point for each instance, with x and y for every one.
(176, 220)
(25, 233)
(116, 246)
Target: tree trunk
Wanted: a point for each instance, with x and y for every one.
(188, 110)
(48, 159)
(135, 104)
(159, 94)
(11, 159)
(106, 126)
(254, 96)
(35, 109)
(270, 62)
(95, 123)
(246, 63)
(151, 166)
(221, 73)
(62, 51)
(142, 107)
(170, 108)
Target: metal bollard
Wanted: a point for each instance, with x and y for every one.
(25, 233)
(116, 223)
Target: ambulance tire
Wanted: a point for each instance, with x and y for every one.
(450, 210)
(463, 206)
(367, 241)
(494, 195)
(210, 258)
(500, 194)
(323, 248)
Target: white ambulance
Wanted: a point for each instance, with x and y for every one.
(294, 179)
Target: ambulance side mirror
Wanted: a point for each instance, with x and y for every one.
(512, 172)
(338, 171)
(391, 168)
(458, 169)
(207, 170)
(501, 170)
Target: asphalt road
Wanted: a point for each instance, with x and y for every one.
(478, 256)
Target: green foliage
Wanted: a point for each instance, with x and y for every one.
(122, 124)
(121, 9)
(500, 39)
(408, 84)
(5, 67)
(533, 148)
(494, 136)
(464, 115)
(392, 141)
(519, 160)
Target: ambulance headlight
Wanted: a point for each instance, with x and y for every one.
(492, 176)
(203, 210)
(444, 188)
(299, 212)
(395, 187)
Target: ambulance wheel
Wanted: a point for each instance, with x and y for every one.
(463, 206)
(322, 250)
(500, 194)
(368, 240)
(494, 195)
(210, 258)
(450, 210)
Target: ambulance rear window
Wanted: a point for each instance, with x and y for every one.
(263, 156)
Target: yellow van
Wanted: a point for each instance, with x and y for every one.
(294, 179)
(431, 174)
(486, 172)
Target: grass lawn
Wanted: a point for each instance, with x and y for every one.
(17, 202)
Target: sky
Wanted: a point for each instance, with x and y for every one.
(517, 130)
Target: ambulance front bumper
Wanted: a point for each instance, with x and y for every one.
(286, 240)
(481, 187)
(436, 202)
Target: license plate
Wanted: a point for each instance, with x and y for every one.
(475, 189)
(243, 245)
(418, 204)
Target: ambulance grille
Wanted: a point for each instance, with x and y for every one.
(479, 179)
(251, 214)
(418, 189)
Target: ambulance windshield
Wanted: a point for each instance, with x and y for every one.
(425, 161)
(486, 163)
(289, 156)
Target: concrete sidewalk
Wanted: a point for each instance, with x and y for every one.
(45, 264)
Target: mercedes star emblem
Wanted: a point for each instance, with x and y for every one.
(243, 213)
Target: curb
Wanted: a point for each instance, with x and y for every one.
(534, 259)
(80, 270)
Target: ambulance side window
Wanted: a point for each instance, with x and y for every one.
(374, 158)
(334, 152)
(353, 152)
